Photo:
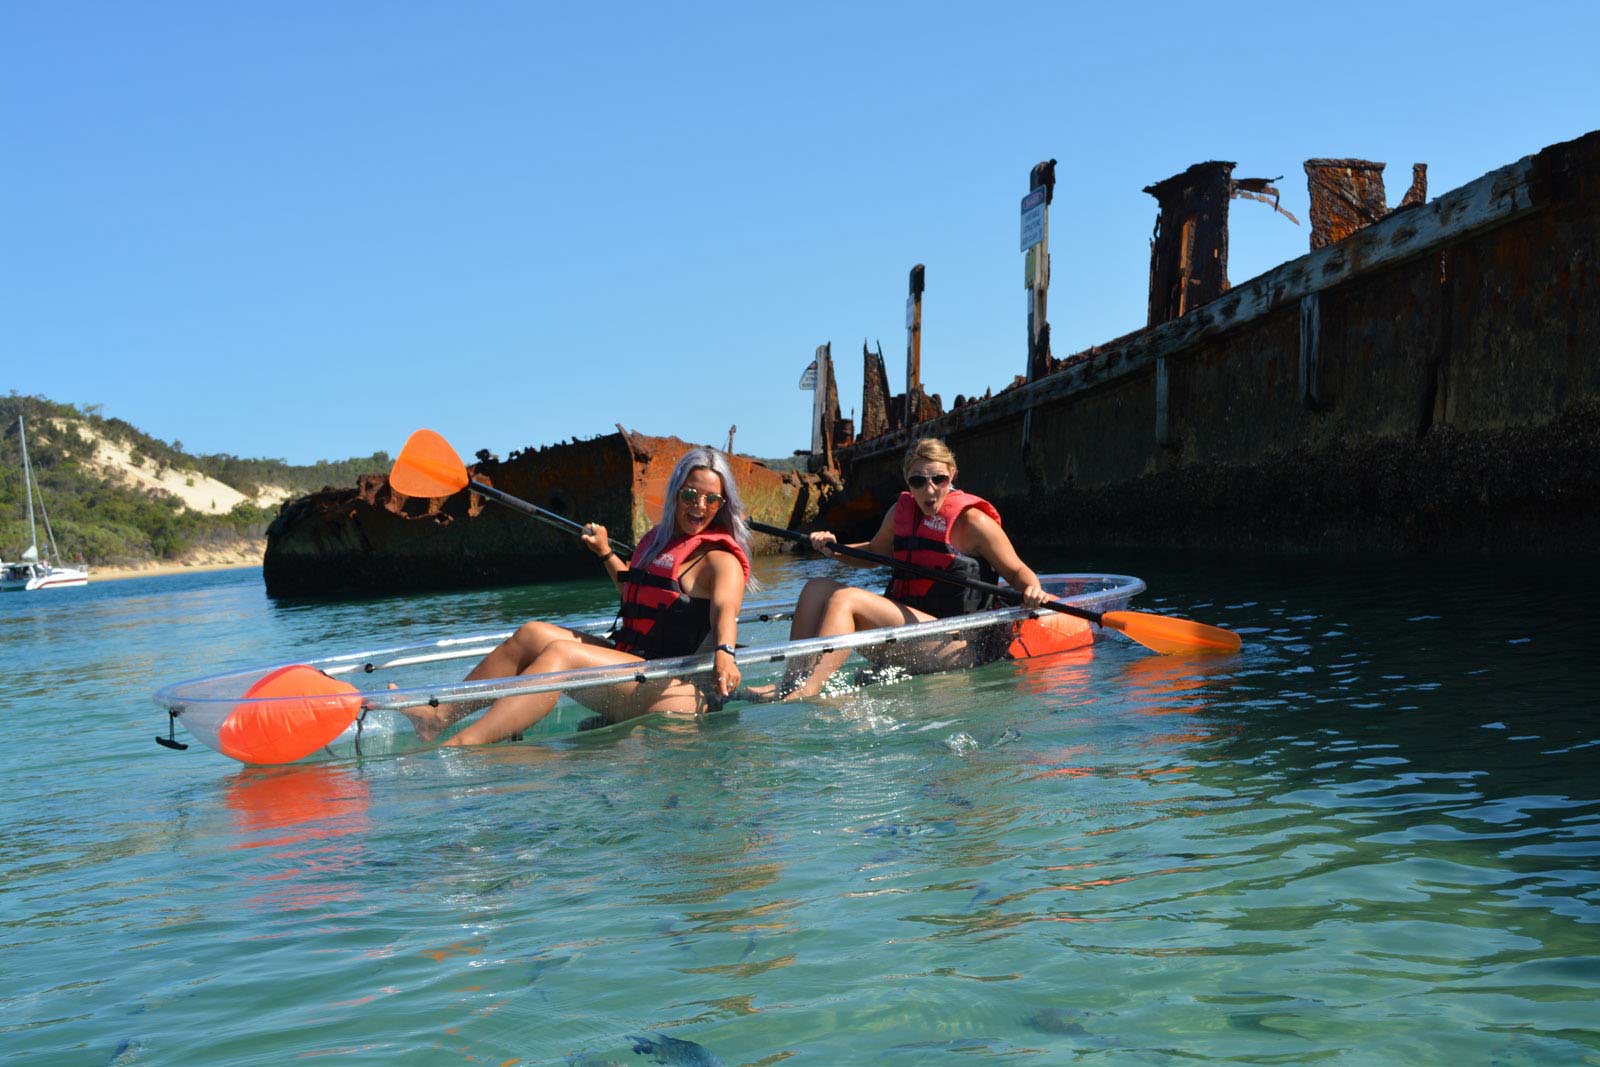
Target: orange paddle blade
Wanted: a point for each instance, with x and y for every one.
(280, 730)
(1166, 634)
(427, 466)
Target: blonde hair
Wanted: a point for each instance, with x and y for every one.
(928, 450)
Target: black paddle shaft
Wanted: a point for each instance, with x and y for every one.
(1006, 593)
(518, 504)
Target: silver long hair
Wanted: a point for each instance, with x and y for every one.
(730, 518)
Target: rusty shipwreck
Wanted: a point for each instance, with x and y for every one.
(1426, 378)
(370, 539)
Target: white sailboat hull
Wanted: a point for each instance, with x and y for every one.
(29, 577)
(33, 573)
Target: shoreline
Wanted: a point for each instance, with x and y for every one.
(161, 570)
(243, 554)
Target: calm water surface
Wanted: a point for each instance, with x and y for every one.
(1372, 838)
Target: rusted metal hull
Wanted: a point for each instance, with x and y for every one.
(1432, 381)
(370, 540)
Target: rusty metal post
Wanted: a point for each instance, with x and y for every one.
(914, 345)
(1036, 264)
(876, 418)
(1188, 257)
(1189, 248)
(1418, 192)
(829, 388)
(1347, 195)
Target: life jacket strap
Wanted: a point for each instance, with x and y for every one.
(654, 581)
(923, 544)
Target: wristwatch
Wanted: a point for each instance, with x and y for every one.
(729, 649)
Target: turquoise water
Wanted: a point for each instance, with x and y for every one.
(1372, 838)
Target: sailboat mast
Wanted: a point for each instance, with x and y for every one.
(27, 487)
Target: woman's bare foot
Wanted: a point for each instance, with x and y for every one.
(426, 722)
(782, 693)
(803, 689)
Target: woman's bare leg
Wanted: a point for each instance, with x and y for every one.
(805, 622)
(626, 700)
(513, 656)
(512, 715)
(668, 696)
(808, 610)
(846, 610)
(517, 652)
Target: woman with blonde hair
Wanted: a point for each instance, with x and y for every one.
(933, 524)
(680, 593)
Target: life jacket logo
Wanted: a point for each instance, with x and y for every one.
(663, 560)
(935, 523)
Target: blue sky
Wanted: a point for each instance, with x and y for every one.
(305, 229)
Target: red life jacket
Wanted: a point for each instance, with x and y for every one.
(925, 541)
(658, 618)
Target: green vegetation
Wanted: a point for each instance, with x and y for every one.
(113, 524)
(786, 463)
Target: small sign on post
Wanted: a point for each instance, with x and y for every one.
(820, 374)
(914, 289)
(1033, 217)
(1036, 272)
(808, 379)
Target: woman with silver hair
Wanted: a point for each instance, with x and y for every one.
(680, 595)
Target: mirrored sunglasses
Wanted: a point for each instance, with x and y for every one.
(917, 481)
(692, 497)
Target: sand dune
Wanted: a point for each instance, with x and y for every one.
(197, 491)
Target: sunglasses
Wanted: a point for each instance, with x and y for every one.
(917, 481)
(692, 497)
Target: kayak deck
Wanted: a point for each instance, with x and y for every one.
(204, 705)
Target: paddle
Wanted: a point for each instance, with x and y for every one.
(1159, 632)
(428, 467)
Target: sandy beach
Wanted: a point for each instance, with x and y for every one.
(248, 555)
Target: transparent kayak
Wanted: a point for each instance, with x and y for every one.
(371, 718)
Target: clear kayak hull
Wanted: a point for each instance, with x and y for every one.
(381, 685)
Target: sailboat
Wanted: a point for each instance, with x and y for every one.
(32, 572)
